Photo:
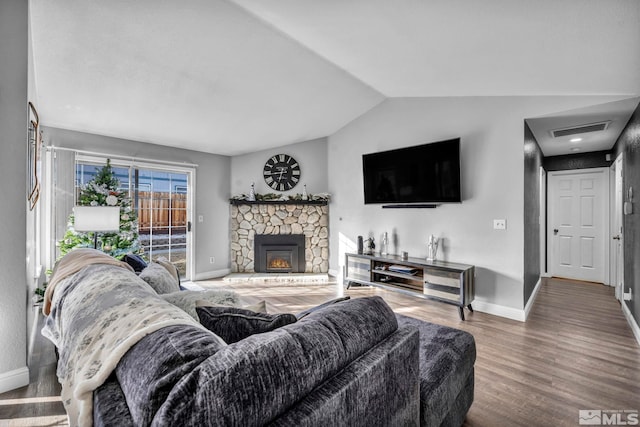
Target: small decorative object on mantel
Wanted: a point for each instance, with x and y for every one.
(432, 248)
(305, 196)
(252, 193)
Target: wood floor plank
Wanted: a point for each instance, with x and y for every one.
(576, 351)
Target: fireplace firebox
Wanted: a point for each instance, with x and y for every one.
(279, 253)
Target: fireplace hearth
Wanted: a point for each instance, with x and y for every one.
(281, 253)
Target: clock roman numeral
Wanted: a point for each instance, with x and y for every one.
(296, 172)
(274, 159)
(295, 165)
(294, 179)
(269, 180)
(289, 186)
(281, 187)
(281, 157)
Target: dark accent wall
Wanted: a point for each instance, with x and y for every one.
(532, 162)
(629, 144)
(594, 159)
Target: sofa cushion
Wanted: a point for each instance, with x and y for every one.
(151, 368)
(159, 279)
(233, 324)
(253, 381)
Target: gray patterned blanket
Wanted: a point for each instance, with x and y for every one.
(97, 314)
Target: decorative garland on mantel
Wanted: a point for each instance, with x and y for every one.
(282, 199)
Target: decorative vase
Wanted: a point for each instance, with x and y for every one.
(384, 245)
(305, 196)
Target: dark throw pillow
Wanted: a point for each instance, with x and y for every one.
(318, 307)
(135, 261)
(233, 324)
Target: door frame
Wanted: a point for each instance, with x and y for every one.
(605, 211)
(616, 209)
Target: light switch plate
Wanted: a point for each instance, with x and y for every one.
(499, 224)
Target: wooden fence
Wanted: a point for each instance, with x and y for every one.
(161, 210)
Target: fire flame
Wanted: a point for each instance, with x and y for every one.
(279, 263)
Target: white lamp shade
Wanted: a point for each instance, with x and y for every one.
(96, 218)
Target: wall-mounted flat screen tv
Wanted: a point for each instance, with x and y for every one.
(428, 173)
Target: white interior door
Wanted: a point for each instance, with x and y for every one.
(578, 219)
(617, 248)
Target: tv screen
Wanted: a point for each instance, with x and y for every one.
(428, 173)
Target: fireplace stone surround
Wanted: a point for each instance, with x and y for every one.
(310, 219)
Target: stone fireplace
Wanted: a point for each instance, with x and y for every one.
(251, 222)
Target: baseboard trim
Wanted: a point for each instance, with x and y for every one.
(499, 310)
(632, 322)
(532, 299)
(212, 274)
(14, 379)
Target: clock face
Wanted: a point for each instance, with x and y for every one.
(281, 172)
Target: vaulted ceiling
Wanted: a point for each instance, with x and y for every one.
(236, 76)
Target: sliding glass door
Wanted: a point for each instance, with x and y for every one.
(160, 195)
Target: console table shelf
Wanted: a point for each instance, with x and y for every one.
(448, 282)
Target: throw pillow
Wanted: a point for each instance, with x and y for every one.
(172, 269)
(135, 261)
(233, 324)
(159, 278)
(318, 307)
(186, 300)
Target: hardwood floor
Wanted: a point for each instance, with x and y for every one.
(576, 351)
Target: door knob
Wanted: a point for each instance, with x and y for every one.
(616, 237)
(555, 231)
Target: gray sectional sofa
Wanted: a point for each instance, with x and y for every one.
(354, 363)
(131, 357)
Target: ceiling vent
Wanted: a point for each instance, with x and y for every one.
(574, 130)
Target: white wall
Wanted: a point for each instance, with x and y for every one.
(312, 156)
(13, 210)
(212, 189)
(491, 131)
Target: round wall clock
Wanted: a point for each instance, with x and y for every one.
(281, 172)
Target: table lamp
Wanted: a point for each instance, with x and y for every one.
(96, 219)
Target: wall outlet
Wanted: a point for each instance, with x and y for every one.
(212, 260)
(628, 296)
(200, 218)
(499, 224)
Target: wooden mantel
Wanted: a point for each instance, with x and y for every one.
(279, 202)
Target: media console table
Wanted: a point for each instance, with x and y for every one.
(447, 282)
